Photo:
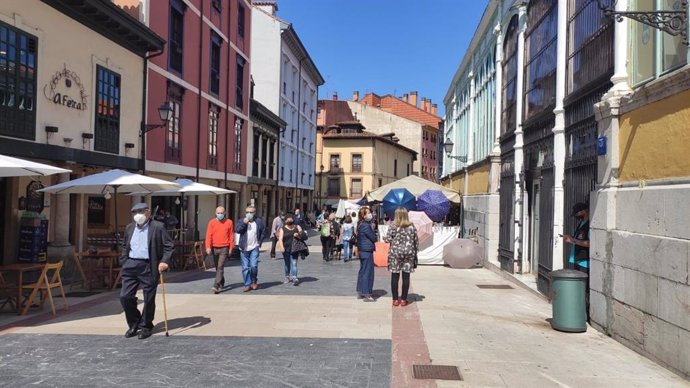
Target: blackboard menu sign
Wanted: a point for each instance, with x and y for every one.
(96, 214)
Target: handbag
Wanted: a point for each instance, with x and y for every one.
(299, 245)
(416, 251)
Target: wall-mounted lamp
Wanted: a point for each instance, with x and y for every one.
(448, 147)
(673, 22)
(165, 113)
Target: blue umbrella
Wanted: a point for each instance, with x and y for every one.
(434, 203)
(397, 198)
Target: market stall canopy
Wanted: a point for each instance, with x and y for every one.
(345, 208)
(414, 185)
(188, 187)
(11, 167)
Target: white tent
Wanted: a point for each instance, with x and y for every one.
(345, 208)
(414, 185)
(11, 167)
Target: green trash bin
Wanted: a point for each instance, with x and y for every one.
(568, 293)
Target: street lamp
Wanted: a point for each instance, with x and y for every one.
(448, 147)
(321, 187)
(673, 22)
(165, 113)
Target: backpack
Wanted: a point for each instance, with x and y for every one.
(325, 229)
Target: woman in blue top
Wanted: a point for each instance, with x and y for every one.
(348, 230)
(366, 244)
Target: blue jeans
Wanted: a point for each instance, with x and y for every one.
(365, 278)
(290, 264)
(347, 250)
(250, 266)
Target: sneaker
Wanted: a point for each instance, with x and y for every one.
(295, 281)
(369, 298)
(287, 280)
(215, 290)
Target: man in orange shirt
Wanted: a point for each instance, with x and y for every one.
(220, 239)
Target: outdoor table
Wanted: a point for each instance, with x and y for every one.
(109, 260)
(19, 269)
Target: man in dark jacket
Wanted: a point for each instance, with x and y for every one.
(146, 252)
(252, 232)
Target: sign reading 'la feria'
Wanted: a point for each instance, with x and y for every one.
(65, 88)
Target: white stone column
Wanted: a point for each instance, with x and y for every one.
(559, 139)
(519, 143)
(498, 120)
(471, 125)
(620, 67)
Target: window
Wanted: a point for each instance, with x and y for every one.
(264, 157)
(172, 144)
(335, 161)
(271, 158)
(214, 76)
(255, 154)
(17, 83)
(176, 34)
(356, 162)
(107, 126)
(408, 169)
(284, 88)
(240, 21)
(540, 57)
(238, 144)
(239, 82)
(380, 182)
(509, 94)
(290, 175)
(333, 187)
(356, 187)
(395, 168)
(213, 112)
(282, 173)
(653, 52)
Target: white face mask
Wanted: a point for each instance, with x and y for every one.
(140, 219)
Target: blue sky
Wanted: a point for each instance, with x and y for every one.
(385, 46)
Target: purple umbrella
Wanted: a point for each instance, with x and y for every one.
(434, 203)
(398, 198)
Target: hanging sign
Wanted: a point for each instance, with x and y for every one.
(65, 88)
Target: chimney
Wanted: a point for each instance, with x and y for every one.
(413, 98)
(355, 96)
(405, 97)
(267, 6)
(434, 109)
(428, 105)
(422, 106)
(335, 96)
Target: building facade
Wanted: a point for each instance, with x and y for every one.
(589, 110)
(287, 82)
(353, 161)
(71, 95)
(203, 74)
(415, 123)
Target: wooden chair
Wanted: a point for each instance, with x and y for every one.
(196, 257)
(7, 294)
(49, 279)
(79, 268)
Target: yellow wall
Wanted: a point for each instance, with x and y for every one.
(479, 179)
(378, 159)
(654, 140)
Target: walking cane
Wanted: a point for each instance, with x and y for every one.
(165, 307)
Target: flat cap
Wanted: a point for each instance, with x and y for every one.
(140, 206)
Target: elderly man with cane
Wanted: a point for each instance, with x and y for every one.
(146, 252)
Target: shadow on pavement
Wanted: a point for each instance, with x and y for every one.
(412, 297)
(379, 293)
(182, 323)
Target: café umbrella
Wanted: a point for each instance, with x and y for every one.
(12, 167)
(398, 198)
(110, 183)
(187, 187)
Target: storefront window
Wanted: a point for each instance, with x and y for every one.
(17, 83)
(509, 76)
(540, 57)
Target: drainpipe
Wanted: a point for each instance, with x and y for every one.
(227, 121)
(198, 130)
(299, 120)
(144, 101)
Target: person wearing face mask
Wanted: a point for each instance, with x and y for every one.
(287, 234)
(275, 229)
(366, 244)
(220, 239)
(146, 251)
(251, 231)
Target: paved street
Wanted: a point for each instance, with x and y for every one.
(318, 334)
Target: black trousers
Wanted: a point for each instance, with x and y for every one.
(274, 241)
(326, 247)
(135, 274)
(395, 280)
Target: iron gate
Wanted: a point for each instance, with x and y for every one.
(506, 237)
